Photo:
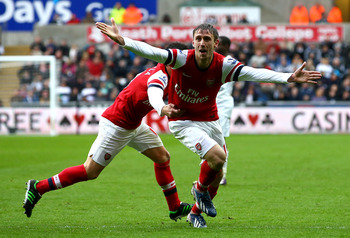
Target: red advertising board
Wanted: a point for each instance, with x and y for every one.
(239, 33)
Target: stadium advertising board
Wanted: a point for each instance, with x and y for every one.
(20, 15)
(239, 33)
(295, 120)
(197, 15)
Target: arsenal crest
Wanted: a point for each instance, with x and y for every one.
(210, 82)
(107, 156)
(198, 146)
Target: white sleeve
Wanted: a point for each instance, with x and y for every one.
(262, 75)
(145, 50)
(155, 98)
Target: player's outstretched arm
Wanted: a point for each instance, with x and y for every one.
(111, 31)
(304, 76)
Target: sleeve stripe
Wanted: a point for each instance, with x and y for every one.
(238, 71)
(155, 85)
(168, 60)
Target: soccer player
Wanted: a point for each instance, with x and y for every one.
(225, 101)
(195, 81)
(121, 125)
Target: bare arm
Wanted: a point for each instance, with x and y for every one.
(140, 48)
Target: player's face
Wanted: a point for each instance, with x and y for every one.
(204, 45)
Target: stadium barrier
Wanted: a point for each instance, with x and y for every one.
(244, 120)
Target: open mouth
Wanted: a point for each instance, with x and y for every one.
(202, 51)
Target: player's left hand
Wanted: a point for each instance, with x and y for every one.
(172, 111)
(304, 76)
(111, 31)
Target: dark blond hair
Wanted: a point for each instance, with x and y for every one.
(209, 28)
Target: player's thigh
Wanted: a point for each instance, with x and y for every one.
(145, 138)
(110, 140)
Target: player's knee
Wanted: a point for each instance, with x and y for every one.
(163, 156)
(92, 169)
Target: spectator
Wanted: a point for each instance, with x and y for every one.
(316, 12)
(319, 95)
(335, 15)
(327, 51)
(88, 19)
(258, 59)
(64, 47)
(228, 20)
(312, 51)
(294, 94)
(64, 92)
(211, 19)
(243, 20)
(56, 19)
(306, 92)
(117, 13)
(323, 19)
(96, 65)
(333, 93)
(260, 44)
(73, 20)
(299, 15)
(30, 97)
(51, 46)
(103, 91)
(284, 66)
(166, 18)
(325, 68)
(45, 96)
(299, 49)
(88, 93)
(38, 44)
(132, 15)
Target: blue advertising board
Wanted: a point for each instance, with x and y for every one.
(21, 15)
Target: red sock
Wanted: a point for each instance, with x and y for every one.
(206, 177)
(64, 179)
(212, 191)
(166, 181)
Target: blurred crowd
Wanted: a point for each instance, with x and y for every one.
(91, 74)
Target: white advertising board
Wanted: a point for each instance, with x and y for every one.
(199, 15)
(249, 120)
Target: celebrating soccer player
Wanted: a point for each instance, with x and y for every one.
(195, 81)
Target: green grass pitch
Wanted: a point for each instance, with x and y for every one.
(278, 186)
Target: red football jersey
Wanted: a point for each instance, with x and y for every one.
(132, 103)
(194, 90)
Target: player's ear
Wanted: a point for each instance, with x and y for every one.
(216, 43)
(193, 44)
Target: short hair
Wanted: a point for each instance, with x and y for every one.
(224, 41)
(177, 45)
(212, 30)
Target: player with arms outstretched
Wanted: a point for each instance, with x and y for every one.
(196, 79)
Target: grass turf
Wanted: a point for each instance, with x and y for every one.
(278, 186)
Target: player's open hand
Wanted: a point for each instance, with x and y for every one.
(304, 76)
(172, 111)
(111, 31)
